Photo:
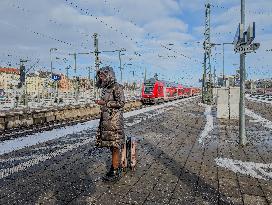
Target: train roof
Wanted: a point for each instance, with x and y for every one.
(166, 83)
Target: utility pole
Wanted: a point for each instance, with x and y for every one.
(75, 69)
(75, 60)
(120, 66)
(144, 74)
(207, 74)
(67, 71)
(96, 53)
(214, 76)
(89, 70)
(67, 76)
(89, 76)
(89, 73)
(51, 65)
(23, 82)
(242, 128)
(51, 61)
(223, 65)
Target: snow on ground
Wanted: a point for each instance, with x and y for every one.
(259, 119)
(209, 124)
(253, 169)
(37, 138)
(258, 100)
(40, 158)
(34, 159)
(256, 170)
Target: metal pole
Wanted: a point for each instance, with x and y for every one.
(223, 65)
(89, 76)
(214, 76)
(209, 60)
(51, 66)
(75, 56)
(242, 130)
(26, 97)
(57, 92)
(51, 63)
(96, 52)
(120, 66)
(145, 75)
(67, 72)
(94, 85)
(77, 85)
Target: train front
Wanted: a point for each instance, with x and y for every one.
(149, 91)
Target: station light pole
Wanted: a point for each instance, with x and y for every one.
(242, 128)
(51, 61)
(51, 64)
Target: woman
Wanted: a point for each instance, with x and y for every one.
(111, 126)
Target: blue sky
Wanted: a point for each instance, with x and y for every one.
(29, 28)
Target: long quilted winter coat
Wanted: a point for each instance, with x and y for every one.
(111, 126)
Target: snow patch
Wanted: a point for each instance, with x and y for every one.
(209, 124)
(259, 119)
(41, 158)
(258, 100)
(256, 170)
(37, 138)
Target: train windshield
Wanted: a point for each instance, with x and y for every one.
(148, 88)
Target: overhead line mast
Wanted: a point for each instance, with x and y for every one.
(207, 72)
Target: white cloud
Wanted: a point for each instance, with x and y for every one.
(149, 23)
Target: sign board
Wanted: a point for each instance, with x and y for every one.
(56, 77)
(245, 48)
(250, 34)
(243, 40)
(244, 37)
(2, 93)
(239, 36)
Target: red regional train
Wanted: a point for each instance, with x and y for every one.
(156, 91)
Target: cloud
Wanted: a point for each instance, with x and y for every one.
(30, 28)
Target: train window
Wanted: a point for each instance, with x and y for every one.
(148, 89)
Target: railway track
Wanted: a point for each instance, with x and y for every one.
(23, 131)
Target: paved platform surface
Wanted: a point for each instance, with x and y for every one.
(185, 156)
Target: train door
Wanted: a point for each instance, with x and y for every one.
(164, 93)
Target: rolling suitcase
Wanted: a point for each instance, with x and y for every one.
(129, 154)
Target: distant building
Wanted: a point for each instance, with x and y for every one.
(9, 78)
(65, 85)
(230, 80)
(259, 86)
(85, 84)
(35, 84)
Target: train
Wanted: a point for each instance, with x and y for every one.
(157, 91)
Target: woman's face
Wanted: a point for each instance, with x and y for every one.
(102, 76)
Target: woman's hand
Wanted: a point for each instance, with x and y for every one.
(100, 102)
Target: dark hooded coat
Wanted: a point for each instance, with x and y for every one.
(111, 126)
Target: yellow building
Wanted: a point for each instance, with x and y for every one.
(36, 85)
(9, 79)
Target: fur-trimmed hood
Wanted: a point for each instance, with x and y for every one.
(110, 77)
